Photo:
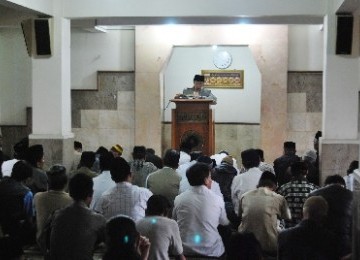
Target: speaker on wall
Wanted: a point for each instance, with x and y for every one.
(344, 34)
(37, 34)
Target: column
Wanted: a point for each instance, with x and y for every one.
(51, 98)
(339, 144)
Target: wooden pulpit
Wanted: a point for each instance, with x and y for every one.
(193, 117)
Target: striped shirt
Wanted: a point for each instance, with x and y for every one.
(125, 199)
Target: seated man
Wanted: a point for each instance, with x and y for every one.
(198, 91)
(282, 163)
(339, 218)
(123, 241)
(55, 198)
(166, 181)
(103, 182)
(163, 233)
(86, 163)
(260, 210)
(199, 212)
(75, 230)
(16, 214)
(309, 239)
(35, 156)
(139, 167)
(124, 198)
(184, 183)
(296, 191)
(247, 180)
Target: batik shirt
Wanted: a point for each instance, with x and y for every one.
(295, 193)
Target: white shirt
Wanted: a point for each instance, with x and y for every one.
(185, 185)
(184, 158)
(125, 199)
(164, 236)
(349, 181)
(242, 183)
(198, 212)
(7, 166)
(102, 183)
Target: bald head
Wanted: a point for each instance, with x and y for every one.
(315, 208)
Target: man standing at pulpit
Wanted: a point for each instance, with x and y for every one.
(198, 91)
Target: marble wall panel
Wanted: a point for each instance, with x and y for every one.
(105, 97)
(125, 100)
(296, 102)
(116, 119)
(12, 134)
(124, 137)
(303, 140)
(309, 83)
(336, 158)
(296, 122)
(305, 108)
(303, 81)
(88, 137)
(314, 102)
(89, 118)
(313, 122)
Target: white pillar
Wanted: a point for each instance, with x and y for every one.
(339, 142)
(51, 86)
(341, 87)
(51, 98)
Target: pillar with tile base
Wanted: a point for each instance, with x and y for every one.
(51, 98)
(339, 144)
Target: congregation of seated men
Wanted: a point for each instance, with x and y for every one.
(183, 205)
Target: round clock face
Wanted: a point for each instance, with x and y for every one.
(222, 59)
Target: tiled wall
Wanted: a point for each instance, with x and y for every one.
(106, 116)
(304, 108)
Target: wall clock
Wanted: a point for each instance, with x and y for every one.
(222, 59)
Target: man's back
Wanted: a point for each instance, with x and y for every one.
(75, 230)
(281, 166)
(102, 183)
(198, 212)
(124, 198)
(163, 234)
(47, 202)
(12, 195)
(166, 182)
(260, 210)
(306, 241)
(140, 170)
(224, 175)
(244, 182)
(84, 170)
(339, 218)
(295, 193)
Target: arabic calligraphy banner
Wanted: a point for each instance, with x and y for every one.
(223, 78)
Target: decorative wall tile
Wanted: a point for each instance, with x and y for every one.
(336, 158)
(313, 122)
(314, 101)
(296, 102)
(89, 118)
(105, 97)
(296, 122)
(125, 100)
